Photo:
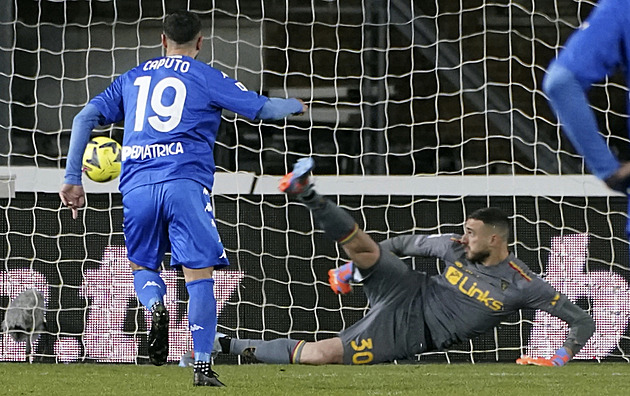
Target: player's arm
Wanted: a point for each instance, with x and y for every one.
(105, 108)
(277, 108)
(82, 126)
(230, 94)
(591, 53)
(569, 101)
(581, 324)
(71, 193)
(420, 245)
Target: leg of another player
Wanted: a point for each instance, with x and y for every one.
(202, 318)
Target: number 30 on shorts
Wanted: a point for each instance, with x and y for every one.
(363, 352)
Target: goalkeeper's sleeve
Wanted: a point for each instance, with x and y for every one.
(581, 326)
(82, 127)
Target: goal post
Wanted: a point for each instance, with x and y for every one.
(419, 113)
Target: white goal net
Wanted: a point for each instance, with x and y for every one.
(420, 113)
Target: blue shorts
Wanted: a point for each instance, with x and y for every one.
(176, 212)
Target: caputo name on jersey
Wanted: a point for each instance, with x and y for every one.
(456, 278)
(169, 63)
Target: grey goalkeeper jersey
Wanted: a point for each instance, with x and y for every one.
(467, 299)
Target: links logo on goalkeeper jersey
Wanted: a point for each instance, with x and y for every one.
(453, 275)
(457, 278)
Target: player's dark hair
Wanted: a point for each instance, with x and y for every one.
(493, 217)
(181, 26)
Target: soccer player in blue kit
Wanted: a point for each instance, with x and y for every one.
(598, 48)
(171, 108)
(411, 312)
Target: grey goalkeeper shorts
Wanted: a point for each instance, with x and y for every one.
(393, 328)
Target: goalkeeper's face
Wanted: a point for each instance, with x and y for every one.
(477, 240)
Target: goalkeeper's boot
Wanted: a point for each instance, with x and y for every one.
(248, 356)
(158, 336)
(339, 278)
(298, 181)
(204, 376)
(221, 344)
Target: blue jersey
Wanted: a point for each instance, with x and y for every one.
(601, 45)
(172, 110)
(598, 48)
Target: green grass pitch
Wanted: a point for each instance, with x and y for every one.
(252, 380)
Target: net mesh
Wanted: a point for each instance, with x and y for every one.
(395, 87)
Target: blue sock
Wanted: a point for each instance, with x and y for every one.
(149, 286)
(202, 317)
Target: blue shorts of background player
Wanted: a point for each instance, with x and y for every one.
(176, 214)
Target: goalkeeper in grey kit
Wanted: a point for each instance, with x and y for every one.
(411, 312)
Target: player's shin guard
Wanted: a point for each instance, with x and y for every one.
(336, 222)
(279, 351)
(202, 317)
(149, 287)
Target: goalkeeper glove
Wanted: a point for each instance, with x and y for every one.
(560, 358)
(339, 278)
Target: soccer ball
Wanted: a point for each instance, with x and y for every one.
(101, 160)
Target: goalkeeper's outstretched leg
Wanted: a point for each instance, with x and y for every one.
(393, 329)
(337, 224)
(281, 350)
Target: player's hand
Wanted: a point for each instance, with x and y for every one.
(560, 358)
(73, 197)
(304, 107)
(620, 180)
